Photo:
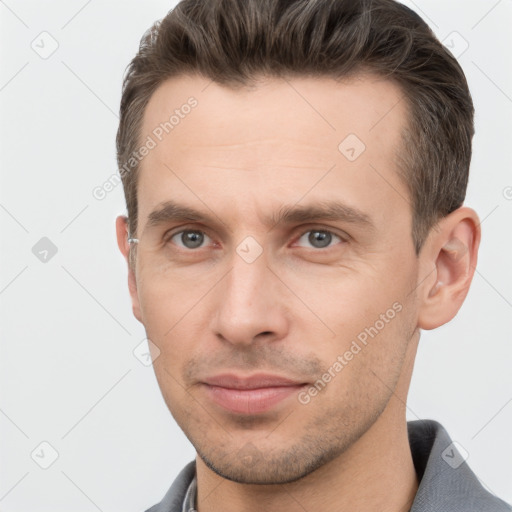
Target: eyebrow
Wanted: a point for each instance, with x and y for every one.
(171, 211)
(324, 210)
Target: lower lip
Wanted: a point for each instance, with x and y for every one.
(250, 401)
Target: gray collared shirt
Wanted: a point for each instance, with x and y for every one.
(446, 482)
(189, 503)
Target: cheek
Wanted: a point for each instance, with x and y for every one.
(164, 315)
(347, 301)
(170, 298)
(176, 308)
(363, 365)
(366, 315)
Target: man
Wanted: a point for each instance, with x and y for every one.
(295, 173)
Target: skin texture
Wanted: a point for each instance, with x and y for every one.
(239, 158)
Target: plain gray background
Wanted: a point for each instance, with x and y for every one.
(69, 375)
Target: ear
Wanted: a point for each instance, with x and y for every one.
(449, 258)
(125, 248)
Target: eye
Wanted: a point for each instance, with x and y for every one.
(318, 239)
(190, 239)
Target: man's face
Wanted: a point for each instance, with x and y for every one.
(281, 252)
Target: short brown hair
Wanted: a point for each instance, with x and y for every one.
(233, 42)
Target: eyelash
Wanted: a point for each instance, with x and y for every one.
(343, 237)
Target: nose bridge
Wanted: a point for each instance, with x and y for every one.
(244, 290)
(248, 303)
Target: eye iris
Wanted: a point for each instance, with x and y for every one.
(192, 239)
(319, 238)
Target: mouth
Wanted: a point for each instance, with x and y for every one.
(250, 395)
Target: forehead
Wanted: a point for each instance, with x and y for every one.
(269, 144)
(366, 105)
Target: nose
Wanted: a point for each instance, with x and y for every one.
(250, 304)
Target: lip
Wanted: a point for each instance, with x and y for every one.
(257, 381)
(250, 395)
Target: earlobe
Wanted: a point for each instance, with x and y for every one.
(125, 248)
(452, 253)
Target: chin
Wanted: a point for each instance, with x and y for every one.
(249, 466)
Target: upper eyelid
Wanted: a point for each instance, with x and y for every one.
(298, 232)
(342, 237)
(339, 233)
(168, 234)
